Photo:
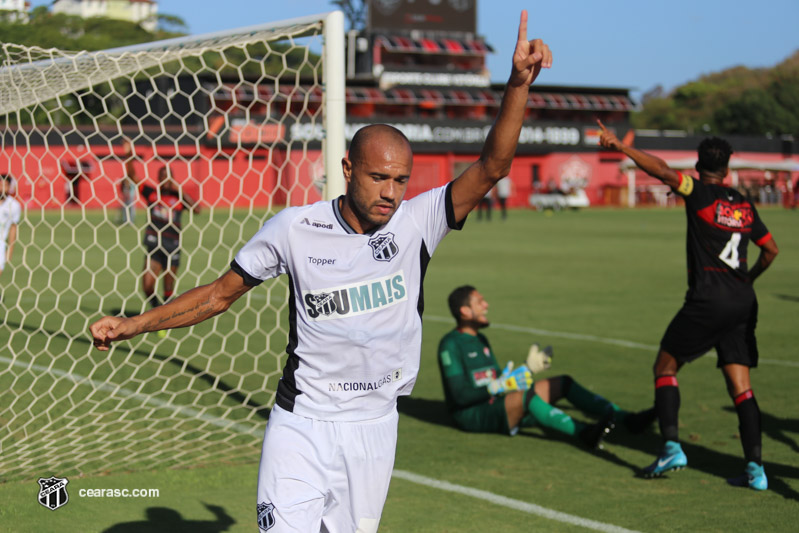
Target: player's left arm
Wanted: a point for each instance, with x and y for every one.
(652, 165)
(768, 252)
(495, 160)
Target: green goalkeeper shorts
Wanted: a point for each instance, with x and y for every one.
(487, 417)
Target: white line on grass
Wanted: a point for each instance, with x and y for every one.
(594, 338)
(510, 503)
(558, 334)
(143, 398)
(189, 412)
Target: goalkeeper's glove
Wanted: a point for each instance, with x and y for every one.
(510, 380)
(539, 360)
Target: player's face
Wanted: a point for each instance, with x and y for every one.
(478, 308)
(377, 183)
(4, 188)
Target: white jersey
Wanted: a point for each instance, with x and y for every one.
(503, 188)
(10, 213)
(355, 324)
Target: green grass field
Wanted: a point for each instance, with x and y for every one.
(185, 414)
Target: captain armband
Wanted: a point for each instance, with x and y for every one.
(686, 186)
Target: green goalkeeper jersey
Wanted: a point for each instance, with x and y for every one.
(467, 366)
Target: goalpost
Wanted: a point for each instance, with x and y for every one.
(229, 114)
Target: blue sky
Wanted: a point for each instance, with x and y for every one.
(636, 44)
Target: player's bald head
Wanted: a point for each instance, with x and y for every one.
(374, 136)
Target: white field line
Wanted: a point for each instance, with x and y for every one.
(189, 412)
(593, 338)
(562, 335)
(117, 390)
(510, 503)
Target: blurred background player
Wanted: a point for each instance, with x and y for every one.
(503, 193)
(481, 399)
(166, 203)
(127, 190)
(485, 205)
(720, 309)
(10, 214)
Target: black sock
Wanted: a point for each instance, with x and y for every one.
(749, 425)
(153, 301)
(667, 405)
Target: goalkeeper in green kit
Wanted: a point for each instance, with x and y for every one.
(483, 399)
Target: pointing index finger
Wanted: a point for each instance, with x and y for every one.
(523, 26)
(602, 126)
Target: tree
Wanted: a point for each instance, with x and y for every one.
(755, 112)
(736, 100)
(658, 114)
(355, 11)
(172, 23)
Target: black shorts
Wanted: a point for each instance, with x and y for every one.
(728, 326)
(164, 250)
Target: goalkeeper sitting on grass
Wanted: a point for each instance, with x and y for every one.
(481, 399)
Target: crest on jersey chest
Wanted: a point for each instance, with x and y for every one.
(383, 247)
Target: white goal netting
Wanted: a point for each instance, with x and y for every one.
(222, 111)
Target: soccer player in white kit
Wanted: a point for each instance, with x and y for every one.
(10, 214)
(355, 266)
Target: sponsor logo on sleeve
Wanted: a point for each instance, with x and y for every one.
(316, 224)
(355, 299)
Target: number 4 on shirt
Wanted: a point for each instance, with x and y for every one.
(730, 252)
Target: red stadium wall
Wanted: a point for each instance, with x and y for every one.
(241, 179)
(260, 178)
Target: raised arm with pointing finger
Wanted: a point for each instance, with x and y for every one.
(529, 58)
(652, 165)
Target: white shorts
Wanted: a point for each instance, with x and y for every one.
(324, 476)
(2, 256)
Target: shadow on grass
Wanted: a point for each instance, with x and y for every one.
(787, 297)
(436, 412)
(777, 428)
(700, 458)
(165, 520)
(213, 382)
(726, 465)
(430, 411)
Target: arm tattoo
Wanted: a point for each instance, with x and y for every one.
(201, 309)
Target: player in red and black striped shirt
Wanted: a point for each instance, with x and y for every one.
(165, 205)
(720, 309)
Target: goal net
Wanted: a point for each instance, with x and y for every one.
(247, 121)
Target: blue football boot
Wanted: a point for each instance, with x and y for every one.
(671, 458)
(754, 477)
